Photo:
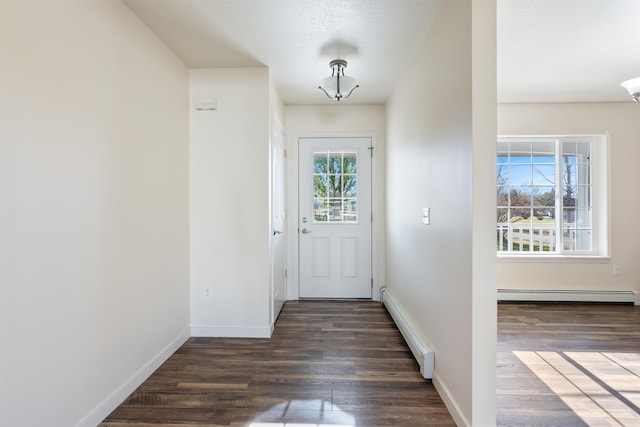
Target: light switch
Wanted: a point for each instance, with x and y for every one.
(426, 216)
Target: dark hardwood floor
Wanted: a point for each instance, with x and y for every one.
(345, 363)
(568, 365)
(334, 363)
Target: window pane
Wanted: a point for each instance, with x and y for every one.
(350, 213)
(569, 170)
(320, 163)
(320, 186)
(502, 174)
(569, 197)
(502, 148)
(568, 240)
(502, 215)
(350, 186)
(520, 174)
(576, 240)
(320, 210)
(545, 149)
(544, 196)
(520, 196)
(544, 175)
(551, 214)
(335, 210)
(520, 148)
(518, 214)
(335, 185)
(503, 197)
(544, 214)
(350, 162)
(583, 218)
(583, 194)
(583, 240)
(569, 148)
(569, 217)
(520, 158)
(335, 162)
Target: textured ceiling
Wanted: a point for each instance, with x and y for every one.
(296, 39)
(548, 50)
(567, 50)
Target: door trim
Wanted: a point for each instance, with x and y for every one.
(277, 128)
(293, 215)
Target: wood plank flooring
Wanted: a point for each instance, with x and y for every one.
(345, 363)
(328, 362)
(568, 365)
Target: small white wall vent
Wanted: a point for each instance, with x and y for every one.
(206, 104)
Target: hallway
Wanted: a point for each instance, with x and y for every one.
(340, 363)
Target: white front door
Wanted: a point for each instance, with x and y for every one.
(334, 214)
(278, 260)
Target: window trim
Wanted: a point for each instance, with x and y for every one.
(601, 206)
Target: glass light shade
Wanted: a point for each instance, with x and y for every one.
(339, 86)
(633, 86)
(347, 84)
(330, 85)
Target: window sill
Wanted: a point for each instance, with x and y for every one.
(598, 259)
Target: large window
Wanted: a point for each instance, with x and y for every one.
(546, 195)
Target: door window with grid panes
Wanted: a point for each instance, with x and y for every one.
(335, 187)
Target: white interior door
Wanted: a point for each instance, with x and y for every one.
(334, 211)
(278, 259)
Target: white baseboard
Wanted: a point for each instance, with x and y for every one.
(230, 332)
(420, 348)
(568, 296)
(449, 402)
(107, 406)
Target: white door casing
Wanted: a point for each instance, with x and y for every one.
(334, 215)
(278, 209)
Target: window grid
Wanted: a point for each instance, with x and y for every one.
(534, 189)
(335, 187)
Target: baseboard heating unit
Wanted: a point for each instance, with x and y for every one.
(632, 297)
(421, 350)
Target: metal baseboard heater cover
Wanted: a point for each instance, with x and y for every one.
(419, 347)
(631, 296)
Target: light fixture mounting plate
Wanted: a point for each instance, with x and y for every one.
(339, 62)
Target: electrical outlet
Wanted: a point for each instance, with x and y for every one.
(207, 293)
(617, 270)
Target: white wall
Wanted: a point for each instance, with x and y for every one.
(335, 120)
(93, 209)
(229, 206)
(431, 162)
(622, 120)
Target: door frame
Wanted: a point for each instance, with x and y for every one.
(276, 127)
(377, 209)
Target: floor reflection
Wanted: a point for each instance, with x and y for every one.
(296, 425)
(323, 413)
(602, 388)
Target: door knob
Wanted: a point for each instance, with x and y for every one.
(305, 231)
(276, 232)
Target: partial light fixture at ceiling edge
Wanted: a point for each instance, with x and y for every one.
(633, 87)
(338, 86)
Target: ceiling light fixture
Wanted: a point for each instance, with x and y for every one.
(633, 86)
(338, 86)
